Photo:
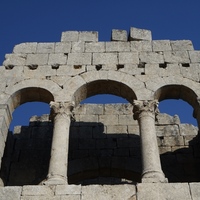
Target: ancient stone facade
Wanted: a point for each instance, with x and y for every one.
(121, 151)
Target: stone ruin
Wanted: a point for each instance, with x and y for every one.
(95, 151)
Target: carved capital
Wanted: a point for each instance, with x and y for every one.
(62, 109)
(140, 107)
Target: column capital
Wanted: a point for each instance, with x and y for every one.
(62, 108)
(147, 106)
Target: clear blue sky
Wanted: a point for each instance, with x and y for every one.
(44, 20)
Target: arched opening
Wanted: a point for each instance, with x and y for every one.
(178, 139)
(27, 151)
(104, 140)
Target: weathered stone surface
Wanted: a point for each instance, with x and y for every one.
(157, 191)
(141, 46)
(161, 45)
(127, 58)
(117, 46)
(151, 57)
(45, 47)
(79, 59)
(176, 57)
(88, 36)
(37, 59)
(68, 189)
(25, 48)
(139, 34)
(10, 193)
(194, 56)
(195, 190)
(188, 129)
(95, 47)
(15, 59)
(69, 36)
(179, 45)
(119, 35)
(105, 58)
(108, 192)
(37, 190)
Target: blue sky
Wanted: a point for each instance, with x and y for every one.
(44, 20)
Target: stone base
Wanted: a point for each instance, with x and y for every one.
(154, 177)
(55, 181)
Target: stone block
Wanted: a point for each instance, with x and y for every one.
(117, 46)
(40, 198)
(88, 36)
(119, 35)
(85, 132)
(173, 141)
(127, 120)
(171, 130)
(188, 129)
(118, 109)
(117, 129)
(190, 140)
(176, 57)
(34, 190)
(63, 47)
(191, 71)
(139, 34)
(58, 58)
(78, 47)
(163, 150)
(132, 69)
(133, 130)
(15, 59)
(95, 47)
(70, 70)
(67, 189)
(160, 191)
(10, 193)
(161, 45)
(70, 36)
(105, 58)
(70, 197)
(179, 45)
(88, 118)
(29, 47)
(194, 56)
(79, 59)
(195, 190)
(151, 57)
(109, 192)
(141, 46)
(37, 59)
(45, 48)
(170, 70)
(128, 58)
(94, 109)
(108, 119)
(163, 118)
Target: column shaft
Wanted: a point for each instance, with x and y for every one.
(59, 151)
(144, 112)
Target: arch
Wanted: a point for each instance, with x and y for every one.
(177, 92)
(29, 91)
(92, 83)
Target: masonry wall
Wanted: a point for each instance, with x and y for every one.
(104, 150)
(104, 153)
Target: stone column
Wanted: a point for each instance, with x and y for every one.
(62, 114)
(144, 112)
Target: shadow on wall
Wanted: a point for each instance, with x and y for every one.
(183, 164)
(94, 156)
